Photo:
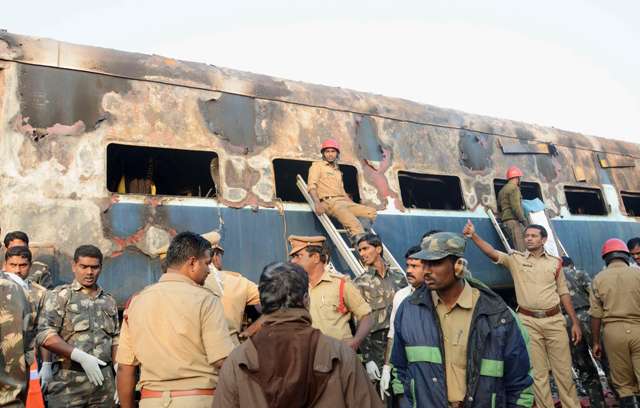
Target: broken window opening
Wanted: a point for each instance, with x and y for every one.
(430, 192)
(286, 170)
(585, 201)
(528, 189)
(161, 171)
(631, 203)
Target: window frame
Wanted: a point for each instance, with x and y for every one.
(624, 204)
(603, 199)
(464, 206)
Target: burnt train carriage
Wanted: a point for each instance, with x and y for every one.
(83, 127)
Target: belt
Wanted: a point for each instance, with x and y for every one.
(539, 314)
(329, 197)
(145, 393)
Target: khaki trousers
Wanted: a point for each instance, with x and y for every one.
(549, 344)
(166, 401)
(346, 211)
(515, 233)
(622, 344)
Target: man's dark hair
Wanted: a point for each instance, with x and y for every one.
(323, 251)
(567, 261)
(429, 233)
(543, 230)
(371, 239)
(15, 235)
(87, 251)
(184, 246)
(21, 251)
(633, 242)
(413, 250)
(283, 285)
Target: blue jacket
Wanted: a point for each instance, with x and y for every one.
(498, 365)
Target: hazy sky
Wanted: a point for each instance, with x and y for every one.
(570, 64)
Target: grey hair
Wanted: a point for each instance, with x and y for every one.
(283, 285)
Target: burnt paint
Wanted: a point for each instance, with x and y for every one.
(367, 141)
(475, 150)
(232, 118)
(548, 166)
(525, 134)
(51, 96)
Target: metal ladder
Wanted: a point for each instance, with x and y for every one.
(338, 238)
(496, 225)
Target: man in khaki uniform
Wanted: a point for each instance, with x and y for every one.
(334, 300)
(615, 301)
(175, 331)
(288, 363)
(327, 190)
(235, 291)
(39, 271)
(540, 288)
(511, 212)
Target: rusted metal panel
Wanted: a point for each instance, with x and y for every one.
(524, 148)
(611, 160)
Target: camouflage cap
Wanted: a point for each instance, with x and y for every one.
(440, 245)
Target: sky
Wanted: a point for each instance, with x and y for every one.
(571, 64)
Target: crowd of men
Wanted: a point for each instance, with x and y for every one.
(435, 337)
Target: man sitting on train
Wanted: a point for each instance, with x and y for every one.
(327, 190)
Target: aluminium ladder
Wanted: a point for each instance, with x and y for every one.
(337, 236)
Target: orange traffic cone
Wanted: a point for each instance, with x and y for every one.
(34, 394)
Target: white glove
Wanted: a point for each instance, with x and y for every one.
(372, 370)
(45, 374)
(385, 379)
(90, 365)
(116, 400)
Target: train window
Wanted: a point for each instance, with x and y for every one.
(154, 170)
(529, 190)
(631, 203)
(585, 201)
(286, 171)
(431, 192)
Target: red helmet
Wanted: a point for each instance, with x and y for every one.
(330, 144)
(513, 171)
(614, 245)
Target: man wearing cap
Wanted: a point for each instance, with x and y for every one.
(235, 291)
(511, 212)
(334, 299)
(378, 286)
(615, 301)
(456, 342)
(540, 288)
(327, 190)
(175, 332)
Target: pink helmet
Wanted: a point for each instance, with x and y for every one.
(513, 171)
(330, 144)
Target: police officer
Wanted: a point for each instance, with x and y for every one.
(79, 324)
(39, 272)
(236, 292)
(615, 301)
(378, 286)
(327, 190)
(334, 299)
(540, 287)
(175, 332)
(511, 212)
(15, 341)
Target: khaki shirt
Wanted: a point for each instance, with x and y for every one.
(455, 324)
(510, 202)
(534, 278)
(87, 322)
(238, 292)
(326, 179)
(615, 295)
(325, 299)
(174, 330)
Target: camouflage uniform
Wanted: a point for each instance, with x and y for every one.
(89, 324)
(40, 274)
(378, 292)
(36, 295)
(16, 317)
(587, 380)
